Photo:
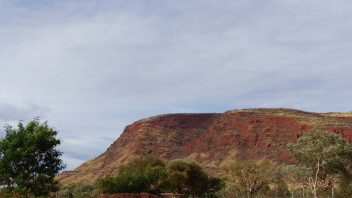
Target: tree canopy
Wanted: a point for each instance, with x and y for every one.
(189, 179)
(145, 174)
(321, 155)
(251, 176)
(29, 159)
(149, 174)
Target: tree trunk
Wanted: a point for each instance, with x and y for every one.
(315, 192)
(316, 180)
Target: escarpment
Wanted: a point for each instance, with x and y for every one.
(211, 139)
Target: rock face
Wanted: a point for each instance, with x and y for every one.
(211, 139)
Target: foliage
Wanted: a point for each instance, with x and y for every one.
(189, 179)
(322, 155)
(126, 182)
(215, 184)
(296, 178)
(105, 185)
(5, 193)
(345, 189)
(157, 179)
(251, 177)
(29, 159)
(345, 184)
(144, 174)
(76, 191)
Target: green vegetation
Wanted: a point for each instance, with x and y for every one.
(76, 191)
(252, 177)
(29, 160)
(322, 158)
(296, 178)
(148, 174)
(189, 179)
(323, 168)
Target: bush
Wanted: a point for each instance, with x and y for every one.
(144, 174)
(76, 191)
(189, 179)
(252, 177)
(150, 175)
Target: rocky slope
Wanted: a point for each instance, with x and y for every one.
(211, 139)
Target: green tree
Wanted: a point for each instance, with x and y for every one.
(149, 174)
(345, 184)
(215, 184)
(189, 179)
(296, 178)
(145, 174)
(29, 159)
(76, 191)
(105, 185)
(150, 171)
(157, 179)
(251, 176)
(323, 155)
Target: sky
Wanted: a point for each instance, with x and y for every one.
(91, 67)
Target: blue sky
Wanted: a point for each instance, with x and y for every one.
(91, 67)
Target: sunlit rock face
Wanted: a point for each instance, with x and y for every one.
(211, 139)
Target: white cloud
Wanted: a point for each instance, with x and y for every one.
(11, 114)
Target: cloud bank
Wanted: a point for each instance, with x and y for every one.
(91, 67)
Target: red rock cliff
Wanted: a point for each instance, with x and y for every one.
(211, 139)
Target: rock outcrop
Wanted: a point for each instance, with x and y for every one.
(211, 139)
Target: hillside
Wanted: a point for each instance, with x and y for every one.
(211, 139)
